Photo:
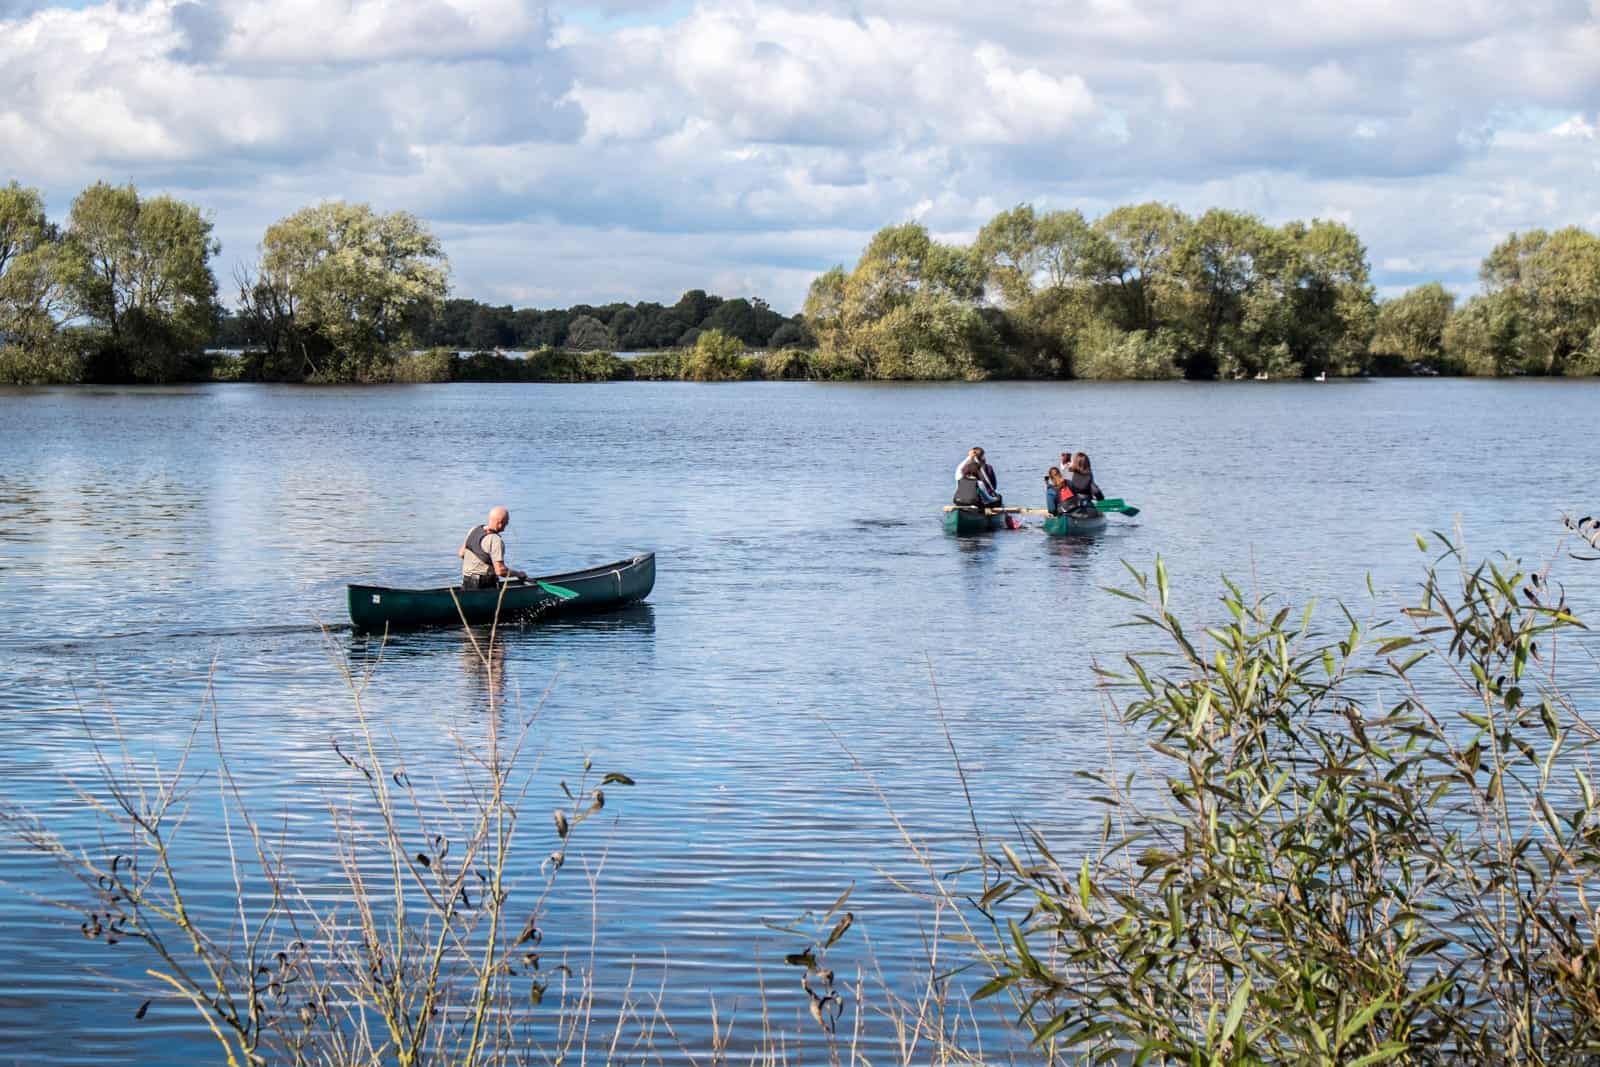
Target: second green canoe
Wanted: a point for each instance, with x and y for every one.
(1068, 523)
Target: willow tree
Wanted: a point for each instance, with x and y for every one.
(1553, 281)
(1143, 241)
(31, 297)
(1410, 328)
(338, 287)
(1332, 310)
(139, 269)
(909, 309)
(1232, 266)
(1048, 271)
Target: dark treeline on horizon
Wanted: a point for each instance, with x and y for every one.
(126, 291)
(471, 325)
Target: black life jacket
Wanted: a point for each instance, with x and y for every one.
(967, 494)
(475, 538)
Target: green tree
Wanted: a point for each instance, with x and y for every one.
(1410, 328)
(693, 307)
(588, 334)
(140, 270)
(1233, 266)
(31, 296)
(737, 318)
(1331, 310)
(790, 335)
(490, 327)
(907, 309)
(1554, 279)
(344, 283)
(1138, 259)
(1026, 252)
(1490, 337)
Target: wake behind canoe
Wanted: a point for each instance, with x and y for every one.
(602, 588)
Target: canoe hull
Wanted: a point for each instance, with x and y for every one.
(966, 521)
(1070, 523)
(602, 588)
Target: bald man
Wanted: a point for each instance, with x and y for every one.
(483, 554)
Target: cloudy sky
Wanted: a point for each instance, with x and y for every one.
(631, 150)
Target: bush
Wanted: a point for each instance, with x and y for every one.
(788, 364)
(1105, 353)
(50, 363)
(434, 365)
(1356, 849)
(561, 365)
(927, 338)
(717, 357)
(656, 367)
(217, 367)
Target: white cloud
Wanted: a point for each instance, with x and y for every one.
(641, 147)
(362, 31)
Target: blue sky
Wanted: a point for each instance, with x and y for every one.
(634, 149)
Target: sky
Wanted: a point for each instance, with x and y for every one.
(631, 150)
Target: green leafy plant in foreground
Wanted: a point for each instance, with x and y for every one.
(1359, 849)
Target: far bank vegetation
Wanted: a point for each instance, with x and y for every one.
(125, 291)
(1146, 291)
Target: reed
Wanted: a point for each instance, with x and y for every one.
(407, 937)
(1365, 847)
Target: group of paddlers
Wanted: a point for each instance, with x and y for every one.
(1068, 487)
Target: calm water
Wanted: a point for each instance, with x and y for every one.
(153, 542)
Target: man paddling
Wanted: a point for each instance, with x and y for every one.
(483, 554)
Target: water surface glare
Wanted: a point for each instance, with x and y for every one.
(159, 543)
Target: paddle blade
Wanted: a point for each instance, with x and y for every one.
(1116, 507)
(557, 591)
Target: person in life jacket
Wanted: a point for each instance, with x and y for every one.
(1055, 488)
(483, 553)
(1080, 490)
(975, 486)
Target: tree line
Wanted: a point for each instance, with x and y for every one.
(124, 291)
(471, 325)
(1147, 291)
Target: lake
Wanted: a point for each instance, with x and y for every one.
(160, 544)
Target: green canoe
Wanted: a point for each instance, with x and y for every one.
(965, 521)
(1080, 521)
(373, 607)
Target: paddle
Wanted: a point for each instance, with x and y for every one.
(556, 590)
(1116, 506)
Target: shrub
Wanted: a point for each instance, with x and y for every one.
(717, 357)
(434, 365)
(788, 364)
(656, 367)
(1106, 353)
(51, 362)
(1366, 848)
